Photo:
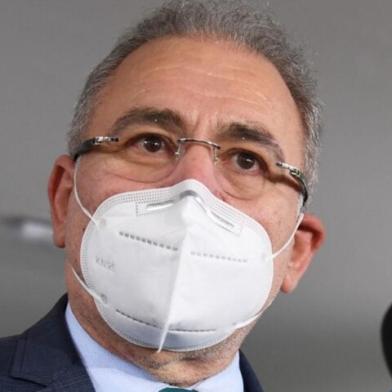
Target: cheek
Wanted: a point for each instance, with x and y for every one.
(97, 182)
(278, 219)
(280, 270)
(76, 225)
(91, 186)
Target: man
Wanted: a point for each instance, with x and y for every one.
(181, 207)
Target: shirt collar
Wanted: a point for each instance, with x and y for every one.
(108, 372)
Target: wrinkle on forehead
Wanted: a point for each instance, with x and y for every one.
(237, 73)
(207, 82)
(204, 94)
(247, 88)
(204, 57)
(174, 59)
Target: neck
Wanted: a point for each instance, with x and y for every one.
(175, 368)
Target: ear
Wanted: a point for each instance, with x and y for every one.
(307, 240)
(59, 191)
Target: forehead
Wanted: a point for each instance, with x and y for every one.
(209, 83)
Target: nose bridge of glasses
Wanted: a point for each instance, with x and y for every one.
(184, 142)
(195, 159)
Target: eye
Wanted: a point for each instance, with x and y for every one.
(247, 162)
(147, 147)
(149, 144)
(152, 143)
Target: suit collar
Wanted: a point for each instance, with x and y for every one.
(45, 354)
(251, 383)
(74, 378)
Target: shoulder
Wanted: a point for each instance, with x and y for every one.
(7, 350)
(43, 355)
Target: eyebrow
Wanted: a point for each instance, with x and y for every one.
(166, 119)
(172, 121)
(253, 133)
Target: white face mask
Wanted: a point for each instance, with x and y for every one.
(175, 268)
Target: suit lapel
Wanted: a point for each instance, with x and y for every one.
(73, 379)
(45, 355)
(251, 383)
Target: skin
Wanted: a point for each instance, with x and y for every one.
(208, 82)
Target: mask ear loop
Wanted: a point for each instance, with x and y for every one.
(288, 242)
(93, 294)
(274, 255)
(86, 212)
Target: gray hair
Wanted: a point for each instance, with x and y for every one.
(233, 21)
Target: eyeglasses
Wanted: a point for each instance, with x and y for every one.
(245, 169)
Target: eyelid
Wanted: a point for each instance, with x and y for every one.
(139, 135)
(259, 155)
(247, 145)
(140, 128)
(264, 165)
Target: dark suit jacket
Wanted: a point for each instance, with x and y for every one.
(386, 338)
(44, 359)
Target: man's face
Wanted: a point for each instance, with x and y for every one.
(209, 84)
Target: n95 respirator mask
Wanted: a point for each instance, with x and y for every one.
(175, 268)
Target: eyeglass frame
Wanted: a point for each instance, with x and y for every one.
(89, 144)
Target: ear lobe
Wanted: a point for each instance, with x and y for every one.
(60, 187)
(307, 240)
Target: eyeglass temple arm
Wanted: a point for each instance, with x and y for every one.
(89, 144)
(299, 176)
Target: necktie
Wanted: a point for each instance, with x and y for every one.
(176, 390)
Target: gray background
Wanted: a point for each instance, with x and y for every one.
(325, 336)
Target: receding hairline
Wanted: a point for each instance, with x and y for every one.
(238, 21)
(201, 38)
